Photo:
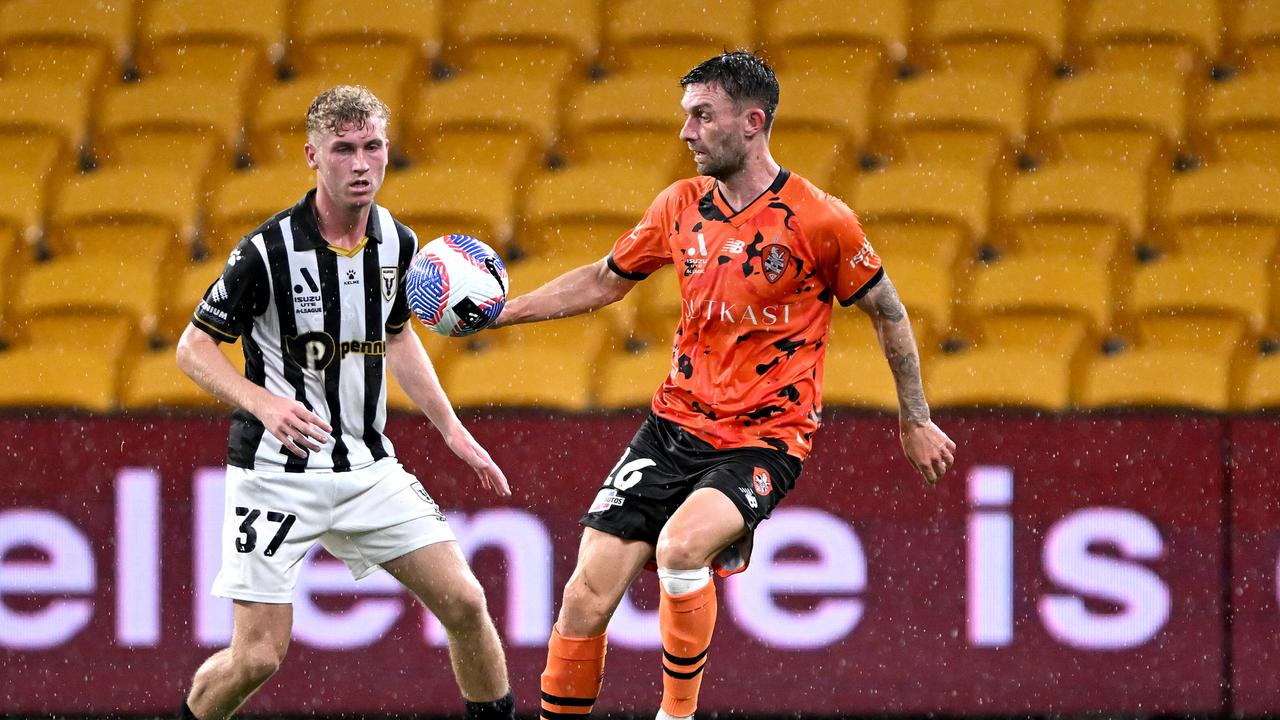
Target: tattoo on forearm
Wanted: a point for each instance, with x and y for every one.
(905, 366)
(888, 305)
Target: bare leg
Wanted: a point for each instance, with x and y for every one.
(258, 644)
(438, 574)
(706, 523)
(607, 565)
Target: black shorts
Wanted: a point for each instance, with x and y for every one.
(664, 464)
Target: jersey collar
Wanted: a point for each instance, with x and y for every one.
(737, 218)
(306, 232)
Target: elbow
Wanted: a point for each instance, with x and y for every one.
(185, 354)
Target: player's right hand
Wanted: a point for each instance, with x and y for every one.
(298, 429)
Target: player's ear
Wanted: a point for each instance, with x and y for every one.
(755, 121)
(309, 151)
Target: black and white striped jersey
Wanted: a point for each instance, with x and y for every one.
(313, 322)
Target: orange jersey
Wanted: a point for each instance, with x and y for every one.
(756, 289)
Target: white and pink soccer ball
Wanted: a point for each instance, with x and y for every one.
(456, 285)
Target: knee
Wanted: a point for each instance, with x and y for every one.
(465, 609)
(259, 661)
(680, 551)
(584, 611)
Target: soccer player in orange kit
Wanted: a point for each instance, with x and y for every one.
(761, 254)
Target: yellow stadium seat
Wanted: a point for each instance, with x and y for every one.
(1227, 192)
(67, 361)
(1241, 119)
(856, 373)
(122, 285)
(808, 106)
(625, 120)
(628, 377)
(30, 164)
(13, 265)
(1259, 386)
(32, 105)
(655, 309)
(166, 196)
(574, 195)
(1180, 361)
(939, 193)
(539, 38)
(1255, 31)
(221, 41)
(1006, 36)
(557, 246)
(1081, 193)
(451, 197)
(169, 102)
(415, 23)
(921, 259)
(545, 365)
(823, 32)
(1225, 268)
(1119, 117)
(1191, 26)
(1018, 361)
(991, 107)
(154, 382)
(667, 38)
(818, 156)
(178, 303)
(1049, 268)
(106, 24)
(485, 119)
(246, 200)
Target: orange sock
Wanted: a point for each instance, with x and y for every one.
(575, 671)
(687, 621)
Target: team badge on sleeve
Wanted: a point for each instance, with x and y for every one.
(761, 482)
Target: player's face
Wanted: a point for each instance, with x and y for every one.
(351, 163)
(714, 129)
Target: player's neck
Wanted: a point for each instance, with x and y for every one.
(744, 186)
(342, 227)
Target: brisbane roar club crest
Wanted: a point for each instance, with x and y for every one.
(761, 482)
(773, 260)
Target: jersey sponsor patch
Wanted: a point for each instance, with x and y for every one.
(606, 499)
(761, 482)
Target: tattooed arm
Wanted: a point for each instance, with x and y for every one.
(926, 446)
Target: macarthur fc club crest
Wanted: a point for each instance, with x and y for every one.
(774, 259)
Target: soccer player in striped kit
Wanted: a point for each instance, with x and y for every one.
(315, 296)
(761, 254)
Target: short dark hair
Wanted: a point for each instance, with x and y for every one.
(744, 77)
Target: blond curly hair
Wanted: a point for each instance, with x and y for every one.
(343, 106)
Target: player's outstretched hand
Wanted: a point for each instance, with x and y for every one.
(929, 450)
(296, 427)
(473, 453)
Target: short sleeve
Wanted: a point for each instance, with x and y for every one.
(643, 249)
(398, 317)
(239, 294)
(853, 267)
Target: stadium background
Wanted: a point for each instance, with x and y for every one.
(1078, 199)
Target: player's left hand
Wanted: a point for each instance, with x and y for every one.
(929, 449)
(473, 453)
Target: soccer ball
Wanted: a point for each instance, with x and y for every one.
(456, 285)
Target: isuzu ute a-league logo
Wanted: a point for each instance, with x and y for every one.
(389, 274)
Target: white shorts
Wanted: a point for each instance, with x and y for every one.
(363, 517)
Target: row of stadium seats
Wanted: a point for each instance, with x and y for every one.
(1039, 362)
(1106, 164)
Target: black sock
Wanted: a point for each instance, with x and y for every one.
(186, 713)
(504, 708)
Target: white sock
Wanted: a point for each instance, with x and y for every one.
(662, 715)
(679, 582)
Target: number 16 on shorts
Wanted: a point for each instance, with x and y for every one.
(248, 539)
(624, 476)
